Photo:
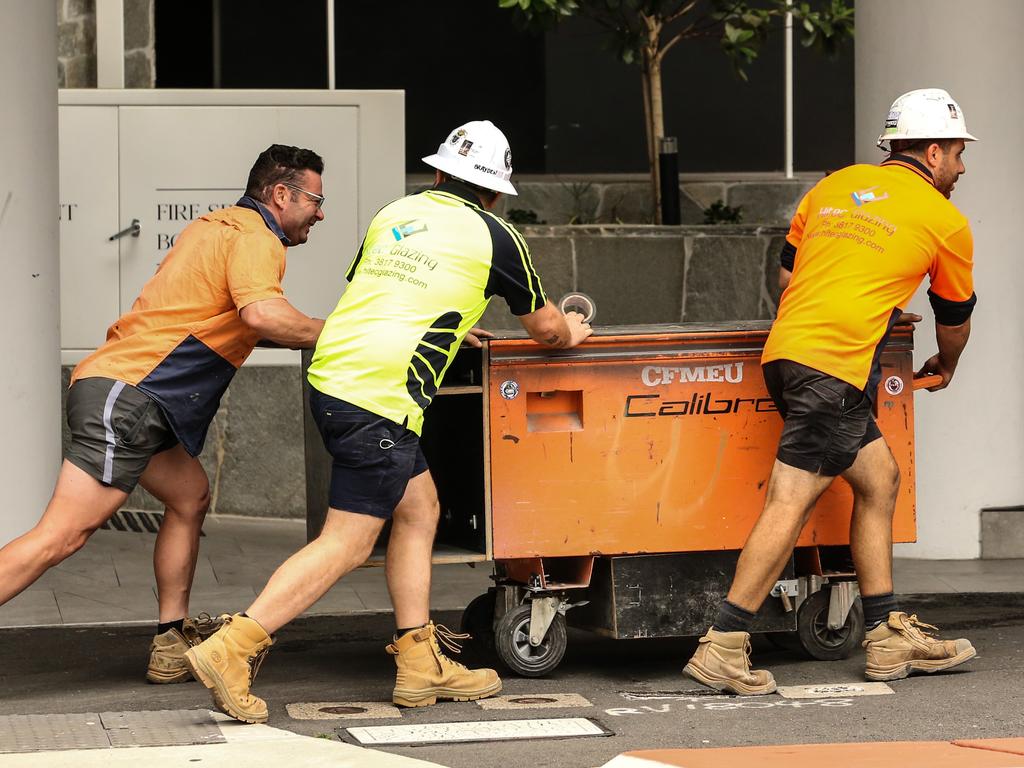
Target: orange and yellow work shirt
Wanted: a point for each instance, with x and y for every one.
(183, 340)
(859, 246)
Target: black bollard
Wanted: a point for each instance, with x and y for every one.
(668, 167)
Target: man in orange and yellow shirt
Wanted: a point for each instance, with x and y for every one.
(139, 407)
(860, 244)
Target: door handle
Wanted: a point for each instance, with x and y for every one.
(132, 230)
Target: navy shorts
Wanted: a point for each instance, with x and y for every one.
(826, 420)
(373, 458)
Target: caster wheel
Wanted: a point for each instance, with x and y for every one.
(478, 621)
(512, 642)
(817, 639)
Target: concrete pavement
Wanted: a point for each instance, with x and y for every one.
(76, 642)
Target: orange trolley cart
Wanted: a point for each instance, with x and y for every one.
(613, 485)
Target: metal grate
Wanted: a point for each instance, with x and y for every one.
(47, 733)
(479, 730)
(136, 521)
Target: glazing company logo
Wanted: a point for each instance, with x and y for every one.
(508, 159)
(509, 390)
(657, 375)
(407, 228)
(865, 196)
(466, 146)
(952, 111)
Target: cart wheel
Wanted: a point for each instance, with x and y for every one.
(817, 639)
(512, 641)
(478, 621)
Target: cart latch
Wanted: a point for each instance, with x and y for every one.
(785, 589)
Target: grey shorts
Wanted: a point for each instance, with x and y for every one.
(826, 421)
(115, 430)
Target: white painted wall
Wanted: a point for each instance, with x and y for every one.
(30, 310)
(970, 438)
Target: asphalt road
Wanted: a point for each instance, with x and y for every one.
(634, 688)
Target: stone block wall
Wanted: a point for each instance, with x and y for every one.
(628, 201)
(254, 453)
(76, 44)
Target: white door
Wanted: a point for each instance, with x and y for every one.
(177, 163)
(89, 268)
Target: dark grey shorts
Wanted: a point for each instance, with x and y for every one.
(826, 420)
(115, 430)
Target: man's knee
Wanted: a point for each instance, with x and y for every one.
(191, 509)
(58, 545)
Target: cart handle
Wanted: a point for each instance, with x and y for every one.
(924, 382)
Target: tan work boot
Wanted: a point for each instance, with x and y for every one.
(227, 664)
(897, 647)
(425, 674)
(722, 662)
(167, 651)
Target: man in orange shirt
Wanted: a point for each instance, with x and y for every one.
(859, 246)
(139, 407)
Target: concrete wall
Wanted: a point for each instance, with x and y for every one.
(29, 252)
(76, 44)
(970, 438)
(254, 454)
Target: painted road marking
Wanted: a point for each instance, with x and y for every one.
(482, 730)
(342, 710)
(833, 690)
(535, 701)
(722, 704)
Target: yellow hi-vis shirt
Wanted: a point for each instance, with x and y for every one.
(427, 268)
(859, 246)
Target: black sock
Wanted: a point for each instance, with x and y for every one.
(164, 626)
(732, 618)
(406, 630)
(877, 608)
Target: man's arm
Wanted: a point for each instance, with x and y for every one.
(278, 321)
(951, 340)
(548, 326)
(784, 277)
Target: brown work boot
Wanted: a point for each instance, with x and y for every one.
(425, 674)
(227, 664)
(722, 662)
(167, 651)
(898, 646)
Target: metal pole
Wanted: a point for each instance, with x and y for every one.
(29, 250)
(330, 45)
(789, 92)
(668, 176)
(110, 43)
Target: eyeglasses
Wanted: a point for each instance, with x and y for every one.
(318, 199)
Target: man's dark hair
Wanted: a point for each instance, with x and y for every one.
(486, 195)
(918, 146)
(280, 164)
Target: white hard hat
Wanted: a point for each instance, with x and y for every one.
(928, 113)
(476, 152)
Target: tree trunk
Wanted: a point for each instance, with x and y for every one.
(651, 60)
(652, 155)
(657, 131)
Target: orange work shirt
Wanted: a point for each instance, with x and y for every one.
(183, 340)
(861, 242)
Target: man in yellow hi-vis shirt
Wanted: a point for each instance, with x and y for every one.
(859, 246)
(426, 270)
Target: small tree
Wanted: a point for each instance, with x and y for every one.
(642, 32)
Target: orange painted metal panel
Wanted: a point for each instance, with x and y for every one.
(653, 441)
(981, 753)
